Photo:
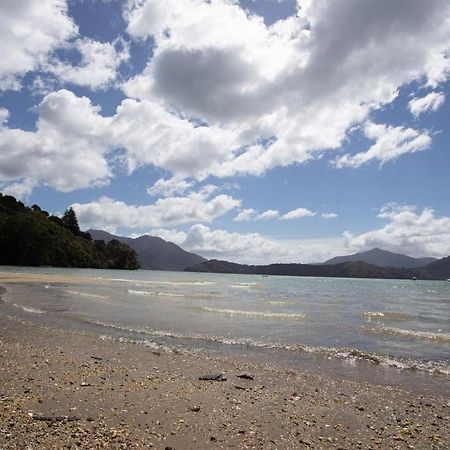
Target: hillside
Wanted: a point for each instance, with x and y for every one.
(29, 236)
(383, 258)
(439, 269)
(343, 270)
(153, 252)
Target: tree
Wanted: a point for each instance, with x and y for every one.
(70, 221)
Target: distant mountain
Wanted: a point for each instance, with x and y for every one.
(383, 258)
(439, 269)
(349, 269)
(153, 252)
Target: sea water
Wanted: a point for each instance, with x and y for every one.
(377, 327)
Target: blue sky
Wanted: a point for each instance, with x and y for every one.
(255, 131)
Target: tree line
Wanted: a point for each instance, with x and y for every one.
(30, 236)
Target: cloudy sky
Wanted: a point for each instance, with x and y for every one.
(250, 130)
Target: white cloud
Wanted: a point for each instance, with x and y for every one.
(407, 231)
(245, 215)
(222, 244)
(297, 214)
(249, 214)
(21, 190)
(98, 66)
(30, 30)
(169, 187)
(269, 214)
(321, 69)
(328, 216)
(216, 103)
(110, 214)
(430, 102)
(68, 149)
(390, 143)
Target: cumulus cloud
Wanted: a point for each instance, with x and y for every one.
(269, 214)
(390, 143)
(221, 244)
(31, 29)
(222, 104)
(298, 214)
(110, 214)
(430, 102)
(245, 215)
(250, 213)
(169, 187)
(98, 66)
(21, 189)
(326, 68)
(416, 233)
(68, 149)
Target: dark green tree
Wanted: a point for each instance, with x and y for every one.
(70, 221)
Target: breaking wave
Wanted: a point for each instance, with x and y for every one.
(86, 294)
(29, 309)
(397, 362)
(255, 314)
(164, 294)
(429, 335)
(245, 285)
(386, 315)
(163, 282)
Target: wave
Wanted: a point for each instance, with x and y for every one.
(166, 294)
(245, 285)
(29, 309)
(428, 335)
(163, 282)
(386, 315)
(255, 314)
(144, 342)
(397, 362)
(86, 294)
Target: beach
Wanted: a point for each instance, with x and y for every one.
(63, 389)
(66, 386)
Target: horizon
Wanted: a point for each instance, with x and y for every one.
(311, 130)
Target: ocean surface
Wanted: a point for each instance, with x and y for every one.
(392, 331)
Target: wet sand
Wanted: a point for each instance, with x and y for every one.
(62, 389)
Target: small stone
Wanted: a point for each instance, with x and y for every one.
(213, 377)
(245, 376)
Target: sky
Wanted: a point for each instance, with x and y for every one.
(256, 131)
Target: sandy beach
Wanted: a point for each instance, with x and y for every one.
(61, 389)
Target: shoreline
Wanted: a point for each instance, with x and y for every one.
(74, 390)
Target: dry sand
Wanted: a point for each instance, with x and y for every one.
(62, 389)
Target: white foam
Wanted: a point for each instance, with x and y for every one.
(163, 294)
(29, 309)
(430, 335)
(85, 294)
(399, 363)
(255, 314)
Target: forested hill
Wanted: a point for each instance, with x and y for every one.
(343, 270)
(30, 236)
